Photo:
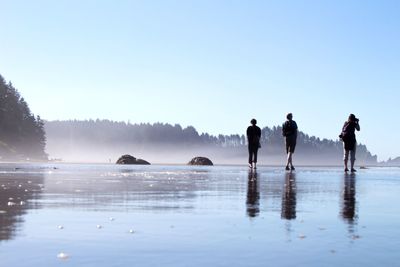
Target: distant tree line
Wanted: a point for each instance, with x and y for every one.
(22, 135)
(111, 132)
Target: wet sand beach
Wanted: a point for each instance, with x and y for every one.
(108, 215)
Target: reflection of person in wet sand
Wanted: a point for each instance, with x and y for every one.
(289, 197)
(253, 195)
(349, 199)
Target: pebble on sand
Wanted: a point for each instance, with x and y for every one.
(131, 231)
(99, 226)
(62, 256)
(60, 227)
(302, 236)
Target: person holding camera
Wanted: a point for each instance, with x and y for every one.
(348, 137)
(289, 131)
(253, 138)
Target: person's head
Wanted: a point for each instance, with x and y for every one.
(289, 116)
(253, 121)
(352, 118)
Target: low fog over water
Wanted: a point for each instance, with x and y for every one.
(105, 141)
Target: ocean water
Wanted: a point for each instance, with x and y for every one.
(109, 215)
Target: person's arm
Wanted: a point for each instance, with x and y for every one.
(357, 126)
(283, 129)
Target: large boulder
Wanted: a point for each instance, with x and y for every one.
(128, 159)
(202, 161)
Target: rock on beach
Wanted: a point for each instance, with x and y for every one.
(202, 161)
(128, 159)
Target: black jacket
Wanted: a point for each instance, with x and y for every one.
(289, 129)
(253, 135)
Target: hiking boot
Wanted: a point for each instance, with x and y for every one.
(346, 170)
(353, 170)
(292, 168)
(287, 168)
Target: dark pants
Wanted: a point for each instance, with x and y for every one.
(253, 154)
(290, 143)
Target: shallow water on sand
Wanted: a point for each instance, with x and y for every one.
(107, 215)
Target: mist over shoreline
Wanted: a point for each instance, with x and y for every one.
(103, 141)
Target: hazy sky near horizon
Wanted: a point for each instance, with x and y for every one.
(210, 64)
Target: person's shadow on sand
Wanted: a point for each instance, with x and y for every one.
(253, 195)
(349, 210)
(289, 197)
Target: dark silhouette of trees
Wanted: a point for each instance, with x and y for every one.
(22, 135)
(110, 132)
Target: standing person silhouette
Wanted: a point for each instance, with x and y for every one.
(289, 131)
(348, 137)
(253, 139)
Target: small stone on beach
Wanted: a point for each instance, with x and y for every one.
(60, 227)
(302, 236)
(62, 256)
(99, 226)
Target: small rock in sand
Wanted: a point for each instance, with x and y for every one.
(302, 236)
(62, 256)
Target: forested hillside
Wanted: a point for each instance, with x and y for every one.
(22, 135)
(103, 140)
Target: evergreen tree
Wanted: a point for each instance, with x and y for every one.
(22, 135)
(147, 135)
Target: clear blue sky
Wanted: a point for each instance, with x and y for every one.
(210, 64)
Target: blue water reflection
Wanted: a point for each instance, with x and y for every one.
(197, 216)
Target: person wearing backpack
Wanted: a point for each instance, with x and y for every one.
(348, 137)
(253, 138)
(289, 131)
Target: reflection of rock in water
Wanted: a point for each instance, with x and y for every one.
(289, 197)
(349, 199)
(17, 190)
(253, 195)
